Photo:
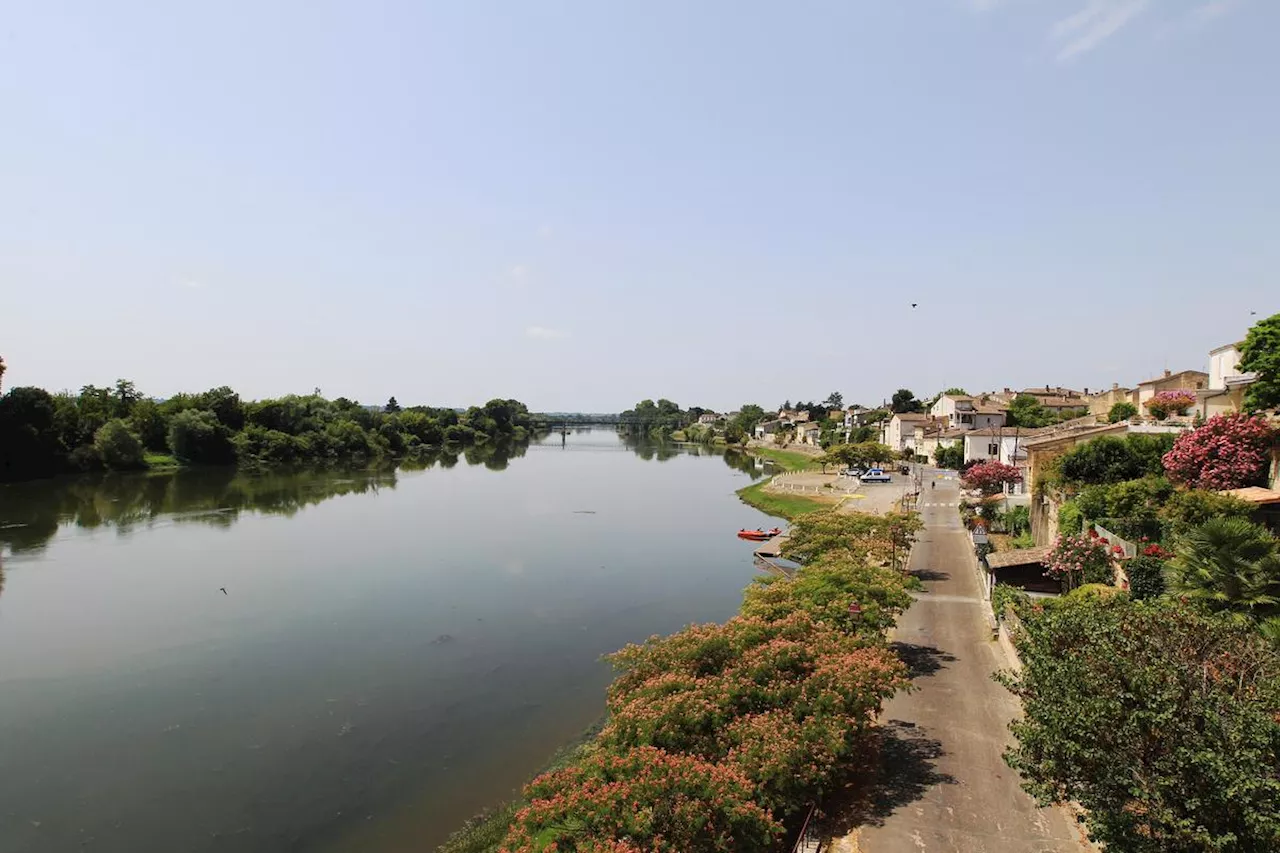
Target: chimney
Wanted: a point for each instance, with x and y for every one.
(1086, 390)
(1115, 386)
(1167, 373)
(1046, 388)
(1006, 390)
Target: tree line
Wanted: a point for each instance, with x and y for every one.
(119, 428)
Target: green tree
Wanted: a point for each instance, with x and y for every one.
(1025, 411)
(127, 396)
(3, 368)
(1228, 565)
(1112, 459)
(1261, 354)
(117, 446)
(198, 436)
(1162, 722)
(904, 401)
(959, 392)
(950, 456)
(835, 400)
(30, 445)
(150, 424)
(392, 406)
(1121, 411)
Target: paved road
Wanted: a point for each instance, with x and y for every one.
(946, 786)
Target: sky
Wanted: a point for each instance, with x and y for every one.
(584, 204)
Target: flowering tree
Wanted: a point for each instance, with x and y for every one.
(786, 701)
(643, 800)
(1228, 452)
(990, 477)
(1080, 559)
(1168, 403)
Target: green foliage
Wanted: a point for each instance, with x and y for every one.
(1228, 565)
(1191, 507)
(1162, 723)
(1025, 411)
(825, 587)
(1112, 459)
(1070, 518)
(150, 425)
(835, 400)
(117, 446)
(1017, 520)
(1261, 354)
(862, 455)
(905, 401)
(1146, 577)
(1004, 597)
(1121, 411)
(30, 445)
(657, 420)
(857, 535)
(950, 456)
(197, 436)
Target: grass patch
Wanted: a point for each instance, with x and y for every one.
(780, 504)
(160, 460)
(788, 460)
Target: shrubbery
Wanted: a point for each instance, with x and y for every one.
(718, 732)
(1228, 452)
(1164, 724)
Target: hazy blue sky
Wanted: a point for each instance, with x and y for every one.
(580, 204)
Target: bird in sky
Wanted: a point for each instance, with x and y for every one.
(224, 589)
(913, 305)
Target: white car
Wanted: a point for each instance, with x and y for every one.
(875, 475)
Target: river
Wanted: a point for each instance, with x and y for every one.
(394, 649)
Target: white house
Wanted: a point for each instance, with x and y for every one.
(764, 429)
(708, 418)
(964, 412)
(899, 432)
(928, 438)
(1227, 383)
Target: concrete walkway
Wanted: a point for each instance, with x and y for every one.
(945, 786)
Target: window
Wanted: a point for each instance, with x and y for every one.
(993, 449)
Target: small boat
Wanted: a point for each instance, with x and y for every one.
(759, 535)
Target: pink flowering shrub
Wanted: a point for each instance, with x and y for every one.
(1167, 403)
(643, 800)
(1228, 452)
(1079, 559)
(990, 477)
(786, 701)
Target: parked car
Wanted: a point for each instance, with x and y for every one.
(875, 475)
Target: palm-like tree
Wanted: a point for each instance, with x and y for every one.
(1229, 565)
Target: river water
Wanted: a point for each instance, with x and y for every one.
(394, 650)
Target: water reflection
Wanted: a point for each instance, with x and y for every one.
(32, 513)
(316, 706)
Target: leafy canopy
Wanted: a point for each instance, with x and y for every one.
(1261, 354)
(1163, 723)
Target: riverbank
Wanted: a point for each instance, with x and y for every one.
(484, 832)
(778, 504)
(670, 689)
